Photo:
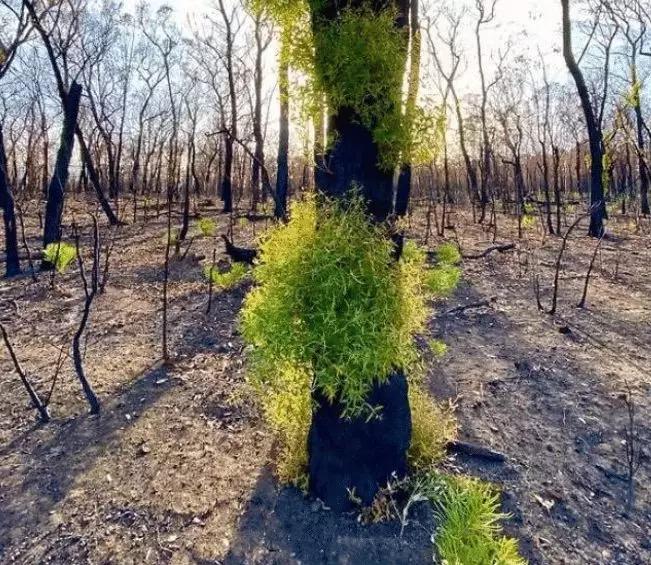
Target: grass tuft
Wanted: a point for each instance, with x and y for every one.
(207, 227)
(470, 532)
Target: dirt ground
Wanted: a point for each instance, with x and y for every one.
(177, 468)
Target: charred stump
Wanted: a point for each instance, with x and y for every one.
(351, 459)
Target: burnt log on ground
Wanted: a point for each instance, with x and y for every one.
(350, 459)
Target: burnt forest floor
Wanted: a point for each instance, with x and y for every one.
(178, 467)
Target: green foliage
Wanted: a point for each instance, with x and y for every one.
(60, 254)
(528, 222)
(229, 279)
(333, 302)
(359, 64)
(469, 517)
(529, 209)
(287, 406)
(433, 427)
(632, 97)
(443, 280)
(207, 227)
(438, 348)
(448, 254)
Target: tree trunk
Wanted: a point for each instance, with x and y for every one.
(282, 175)
(598, 204)
(7, 204)
(357, 455)
(56, 189)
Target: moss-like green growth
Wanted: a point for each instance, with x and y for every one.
(207, 227)
(332, 301)
(229, 279)
(60, 254)
(470, 531)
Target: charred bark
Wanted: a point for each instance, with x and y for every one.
(9, 215)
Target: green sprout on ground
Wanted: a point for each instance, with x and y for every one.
(438, 348)
(448, 254)
(60, 254)
(207, 227)
(469, 515)
(229, 279)
(443, 280)
(528, 222)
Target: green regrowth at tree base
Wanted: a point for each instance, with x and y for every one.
(332, 309)
(469, 516)
(60, 254)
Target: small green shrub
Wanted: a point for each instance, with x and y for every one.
(438, 348)
(207, 227)
(432, 427)
(443, 280)
(448, 254)
(528, 222)
(229, 279)
(469, 516)
(332, 301)
(60, 254)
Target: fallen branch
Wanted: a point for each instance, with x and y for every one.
(499, 248)
(480, 304)
(478, 451)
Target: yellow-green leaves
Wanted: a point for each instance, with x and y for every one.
(207, 227)
(229, 279)
(60, 254)
(360, 62)
(332, 301)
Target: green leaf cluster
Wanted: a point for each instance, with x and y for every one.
(470, 532)
(229, 279)
(207, 227)
(360, 63)
(60, 254)
(333, 302)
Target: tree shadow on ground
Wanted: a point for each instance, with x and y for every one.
(554, 416)
(68, 449)
(281, 526)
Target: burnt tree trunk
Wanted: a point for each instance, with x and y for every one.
(597, 201)
(282, 176)
(56, 188)
(357, 455)
(7, 204)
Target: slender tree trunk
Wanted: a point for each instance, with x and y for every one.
(12, 266)
(598, 204)
(56, 189)
(282, 175)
